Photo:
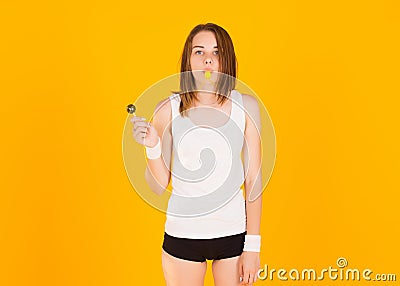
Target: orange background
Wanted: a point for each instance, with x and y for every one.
(328, 73)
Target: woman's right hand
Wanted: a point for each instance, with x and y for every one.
(144, 132)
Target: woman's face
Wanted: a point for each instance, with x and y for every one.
(204, 54)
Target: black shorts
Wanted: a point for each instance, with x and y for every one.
(200, 250)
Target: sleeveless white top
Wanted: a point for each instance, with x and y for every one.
(207, 174)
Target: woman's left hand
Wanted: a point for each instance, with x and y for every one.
(249, 264)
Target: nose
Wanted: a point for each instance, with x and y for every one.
(208, 61)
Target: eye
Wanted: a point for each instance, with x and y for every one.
(215, 52)
(198, 52)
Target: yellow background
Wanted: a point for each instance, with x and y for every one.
(328, 72)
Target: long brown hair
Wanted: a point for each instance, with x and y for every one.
(227, 67)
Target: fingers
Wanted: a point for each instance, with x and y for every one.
(138, 122)
(139, 137)
(140, 128)
(249, 277)
(241, 273)
(137, 118)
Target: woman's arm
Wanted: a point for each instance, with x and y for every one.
(252, 164)
(249, 262)
(158, 171)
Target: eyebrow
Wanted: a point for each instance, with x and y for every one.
(215, 47)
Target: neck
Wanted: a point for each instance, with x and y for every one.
(206, 99)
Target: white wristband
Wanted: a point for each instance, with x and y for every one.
(252, 242)
(154, 152)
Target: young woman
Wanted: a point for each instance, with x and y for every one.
(208, 217)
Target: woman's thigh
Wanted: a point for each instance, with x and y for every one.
(226, 271)
(180, 272)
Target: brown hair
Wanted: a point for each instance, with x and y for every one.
(227, 66)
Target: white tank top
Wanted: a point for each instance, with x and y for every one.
(207, 174)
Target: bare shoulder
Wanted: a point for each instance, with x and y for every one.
(162, 112)
(250, 103)
(162, 116)
(252, 110)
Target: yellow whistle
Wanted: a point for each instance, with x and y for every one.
(207, 74)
